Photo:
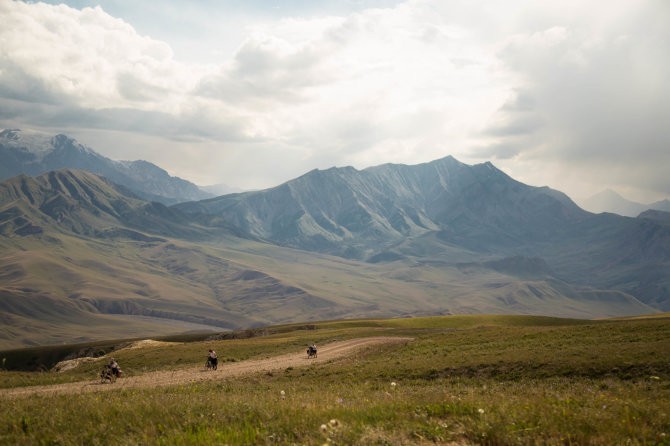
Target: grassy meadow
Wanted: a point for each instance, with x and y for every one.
(493, 380)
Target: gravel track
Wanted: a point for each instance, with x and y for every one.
(199, 374)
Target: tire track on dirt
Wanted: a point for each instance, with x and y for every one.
(191, 375)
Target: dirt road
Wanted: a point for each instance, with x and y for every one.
(198, 374)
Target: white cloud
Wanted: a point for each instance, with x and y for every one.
(549, 91)
(86, 57)
(595, 101)
(354, 87)
(399, 84)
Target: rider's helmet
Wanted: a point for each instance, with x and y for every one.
(210, 350)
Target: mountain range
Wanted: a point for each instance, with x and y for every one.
(450, 210)
(81, 255)
(361, 214)
(33, 153)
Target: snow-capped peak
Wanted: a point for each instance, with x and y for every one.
(37, 143)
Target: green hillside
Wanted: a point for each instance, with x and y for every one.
(462, 380)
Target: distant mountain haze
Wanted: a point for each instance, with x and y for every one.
(610, 201)
(221, 189)
(33, 153)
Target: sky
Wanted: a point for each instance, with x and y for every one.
(568, 94)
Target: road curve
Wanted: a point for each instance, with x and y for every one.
(198, 374)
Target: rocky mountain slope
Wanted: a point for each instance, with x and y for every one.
(452, 211)
(90, 205)
(77, 250)
(33, 153)
(659, 217)
(356, 214)
(82, 258)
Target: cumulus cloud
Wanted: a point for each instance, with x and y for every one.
(64, 68)
(391, 82)
(592, 98)
(267, 69)
(83, 56)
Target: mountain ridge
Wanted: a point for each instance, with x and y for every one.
(387, 213)
(33, 153)
(384, 204)
(90, 205)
